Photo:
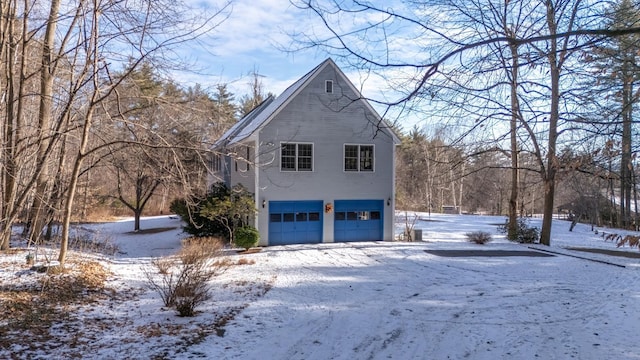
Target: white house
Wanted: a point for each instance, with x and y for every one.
(319, 161)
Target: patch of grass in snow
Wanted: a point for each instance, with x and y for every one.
(85, 309)
(30, 307)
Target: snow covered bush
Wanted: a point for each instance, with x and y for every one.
(246, 237)
(526, 234)
(479, 237)
(184, 279)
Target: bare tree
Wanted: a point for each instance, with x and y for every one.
(545, 35)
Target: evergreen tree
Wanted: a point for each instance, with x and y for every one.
(225, 109)
(617, 63)
(257, 96)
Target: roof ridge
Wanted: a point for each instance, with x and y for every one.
(247, 126)
(243, 122)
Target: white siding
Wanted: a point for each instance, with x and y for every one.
(242, 169)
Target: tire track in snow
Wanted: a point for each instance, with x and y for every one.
(375, 301)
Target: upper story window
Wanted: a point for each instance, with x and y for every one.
(296, 157)
(328, 86)
(248, 166)
(358, 157)
(216, 163)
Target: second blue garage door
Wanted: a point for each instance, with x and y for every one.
(295, 222)
(358, 220)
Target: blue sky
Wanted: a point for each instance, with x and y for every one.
(251, 40)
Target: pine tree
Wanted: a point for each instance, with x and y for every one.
(618, 66)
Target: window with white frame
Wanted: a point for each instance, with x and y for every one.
(296, 157)
(358, 157)
(216, 163)
(248, 165)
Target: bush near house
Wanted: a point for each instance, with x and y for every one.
(218, 214)
(246, 237)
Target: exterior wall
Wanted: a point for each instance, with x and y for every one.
(243, 172)
(220, 172)
(328, 121)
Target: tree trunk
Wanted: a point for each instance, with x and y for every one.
(12, 131)
(612, 197)
(556, 58)
(625, 158)
(42, 195)
(136, 215)
(547, 217)
(512, 227)
(635, 199)
(93, 67)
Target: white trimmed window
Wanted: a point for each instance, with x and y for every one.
(216, 163)
(328, 86)
(358, 157)
(296, 157)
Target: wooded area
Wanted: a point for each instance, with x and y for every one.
(533, 100)
(533, 103)
(87, 118)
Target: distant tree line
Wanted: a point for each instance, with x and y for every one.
(434, 176)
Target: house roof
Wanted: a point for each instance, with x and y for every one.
(264, 112)
(237, 131)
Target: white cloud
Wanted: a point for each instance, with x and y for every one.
(253, 36)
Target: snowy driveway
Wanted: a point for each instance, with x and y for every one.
(395, 301)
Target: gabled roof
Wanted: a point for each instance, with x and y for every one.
(264, 112)
(234, 133)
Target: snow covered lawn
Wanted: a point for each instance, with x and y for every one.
(372, 300)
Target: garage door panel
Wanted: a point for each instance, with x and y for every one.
(358, 220)
(300, 222)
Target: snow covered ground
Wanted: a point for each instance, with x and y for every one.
(371, 300)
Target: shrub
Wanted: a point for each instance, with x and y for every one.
(526, 234)
(184, 279)
(632, 241)
(246, 237)
(220, 213)
(479, 237)
(196, 249)
(194, 223)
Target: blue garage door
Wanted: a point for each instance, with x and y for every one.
(295, 222)
(358, 220)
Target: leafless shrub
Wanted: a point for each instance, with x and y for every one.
(163, 265)
(409, 225)
(244, 261)
(184, 279)
(479, 237)
(194, 249)
(612, 237)
(631, 240)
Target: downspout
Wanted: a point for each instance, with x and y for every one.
(256, 181)
(393, 192)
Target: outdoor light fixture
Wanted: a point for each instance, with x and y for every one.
(264, 203)
(389, 201)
